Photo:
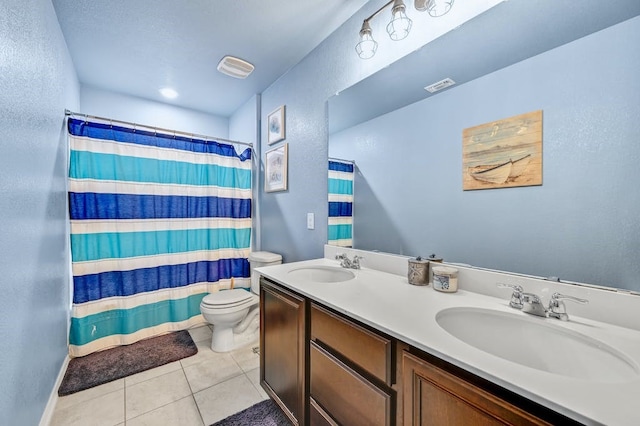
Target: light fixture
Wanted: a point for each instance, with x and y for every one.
(367, 46)
(400, 24)
(437, 8)
(168, 93)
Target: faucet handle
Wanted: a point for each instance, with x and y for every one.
(558, 310)
(515, 287)
(355, 263)
(344, 260)
(558, 296)
(516, 296)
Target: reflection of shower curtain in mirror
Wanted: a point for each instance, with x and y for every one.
(157, 221)
(340, 203)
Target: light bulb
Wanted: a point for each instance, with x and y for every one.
(367, 46)
(400, 24)
(437, 8)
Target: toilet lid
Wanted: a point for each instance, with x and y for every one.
(227, 297)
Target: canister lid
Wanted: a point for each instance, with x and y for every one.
(264, 256)
(419, 259)
(444, 270)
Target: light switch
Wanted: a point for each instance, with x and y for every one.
(311, 221)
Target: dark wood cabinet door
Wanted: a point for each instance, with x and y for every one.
(433, 396)
(282, 353)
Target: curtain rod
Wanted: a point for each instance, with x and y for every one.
(175, 132)
(343, 160)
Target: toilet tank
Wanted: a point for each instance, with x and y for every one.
(258, 259)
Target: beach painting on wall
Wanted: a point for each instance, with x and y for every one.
(503, 153)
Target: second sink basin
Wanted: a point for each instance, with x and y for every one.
(535, 343)
(322, 274)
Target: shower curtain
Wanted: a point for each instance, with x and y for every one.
(157, 222)
(340, 203)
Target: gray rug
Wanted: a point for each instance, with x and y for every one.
(265, 413)
(112, 364)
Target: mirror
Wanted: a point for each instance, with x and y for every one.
(578, 67)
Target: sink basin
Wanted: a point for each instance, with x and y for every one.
(535, 343)
(322, 274)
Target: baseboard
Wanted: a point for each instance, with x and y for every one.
(47, 415)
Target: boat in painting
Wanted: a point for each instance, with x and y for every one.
(500, 173)
(518, 166)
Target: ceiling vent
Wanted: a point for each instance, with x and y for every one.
(442, 84)
(235, 67)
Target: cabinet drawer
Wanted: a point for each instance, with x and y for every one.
(364, 348)
(319, 417)
(345, 395)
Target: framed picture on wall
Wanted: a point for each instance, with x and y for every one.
(276, 125)
(503, 154)
(275, 169)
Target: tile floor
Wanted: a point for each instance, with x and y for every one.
(199, 390)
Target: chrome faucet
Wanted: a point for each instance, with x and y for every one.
(558, 310)
(346, 263)
(532, 304)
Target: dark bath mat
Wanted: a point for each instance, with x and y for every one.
(265, 413)
(112, 364)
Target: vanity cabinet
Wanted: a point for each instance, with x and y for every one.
(351, 372)
(434, 396)
(283, 349)
(323, 368)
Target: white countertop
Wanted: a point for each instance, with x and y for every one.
(388, 303)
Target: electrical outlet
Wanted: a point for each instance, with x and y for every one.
(311, 221)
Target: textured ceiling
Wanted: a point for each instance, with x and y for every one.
(136, 47)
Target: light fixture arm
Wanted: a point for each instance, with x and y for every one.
(400, 24)
(377, 12)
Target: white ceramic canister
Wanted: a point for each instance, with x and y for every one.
(445, 279)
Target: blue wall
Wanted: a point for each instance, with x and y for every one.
(581, 225)
(104, 103)
(38, 82)
(244, 126)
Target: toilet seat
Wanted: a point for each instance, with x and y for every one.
(229, 299)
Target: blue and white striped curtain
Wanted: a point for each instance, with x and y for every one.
(157, 222)
(340, 203)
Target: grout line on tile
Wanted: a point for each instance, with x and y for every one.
(198, 408)
(242, 373)
(124, 402)
(150, 378)
(188, 383)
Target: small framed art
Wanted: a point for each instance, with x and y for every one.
(276, 125)
(275, 169)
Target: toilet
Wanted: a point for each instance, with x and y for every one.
(234, 313)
